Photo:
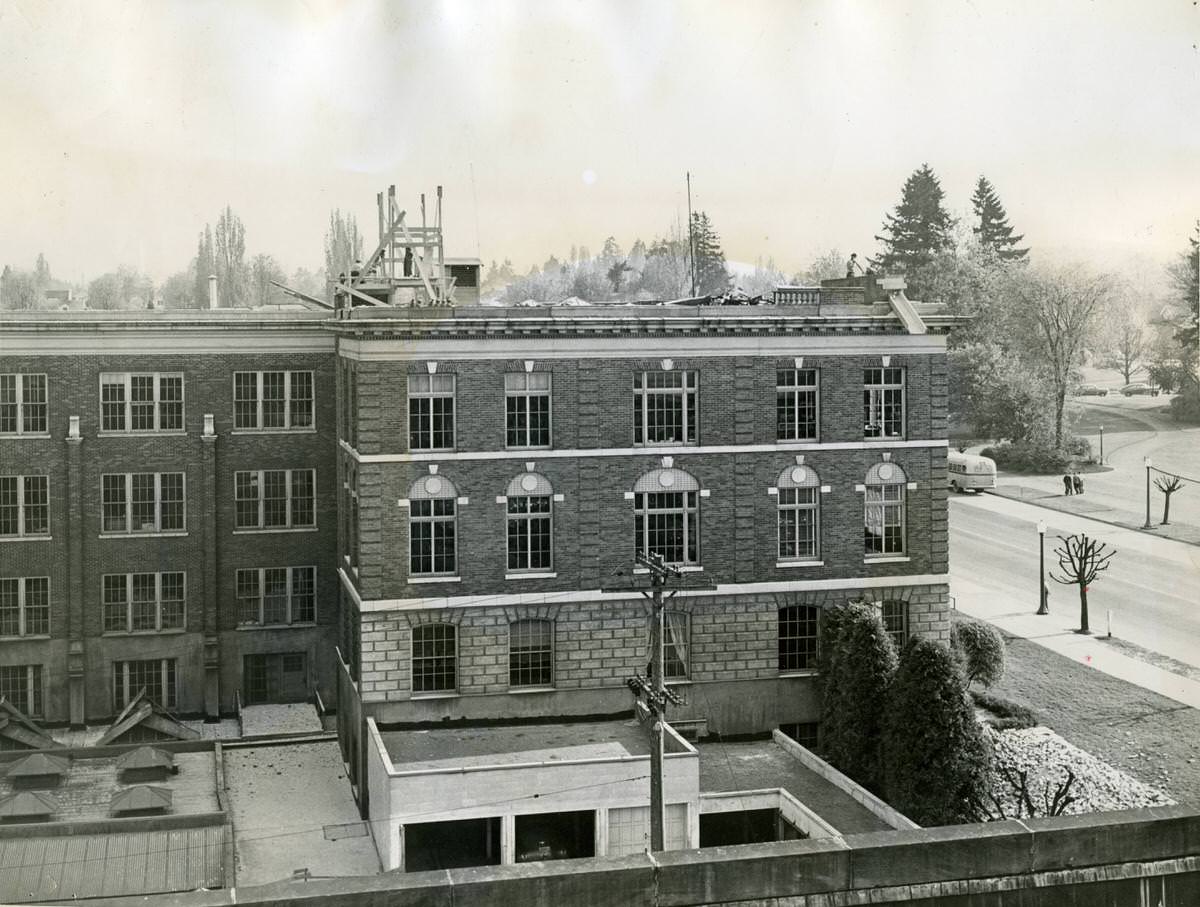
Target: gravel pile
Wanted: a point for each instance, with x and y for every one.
(1098, 787)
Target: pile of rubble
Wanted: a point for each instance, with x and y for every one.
(1047, 761)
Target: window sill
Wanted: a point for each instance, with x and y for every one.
(883, 438)
(30, 637)
(25, 436)
(118, 634)
(142, 535)
(307, 625)
(521, 691)
(26, 538)
(274, 431)
(519, 447)
(788, 442)
(682, 568)
(144, 433)
(789, 564)
(432, 450)
(807, 672)
(678, 682)
(534, 575)
(651, 445)
(448, 694)
(424, 580)
(898, 559)
(280, 529)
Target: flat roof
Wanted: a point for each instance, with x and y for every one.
(441, 748)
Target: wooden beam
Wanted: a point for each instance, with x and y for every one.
(355, 293)
(302, 296)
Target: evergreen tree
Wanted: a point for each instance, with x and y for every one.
(993, 230)
(919, 227)
(232, 272)
(41, 272)
(936, 761)
(712, 277)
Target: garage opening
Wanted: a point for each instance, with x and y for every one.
(449, 845)
(747, 826)
(555, 836)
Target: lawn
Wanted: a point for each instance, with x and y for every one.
(1150, 737)
(1086, 419)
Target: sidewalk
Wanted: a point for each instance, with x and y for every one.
(1055, 631)
(1096, 509)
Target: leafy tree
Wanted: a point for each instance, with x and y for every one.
(616, 274)
(204, 267)
(41, 272)
(980, 647)
(936, 758)
(997, 396)
(1124, 338)
(1185, 278)
(666, 274)
(18, 290)
(993, 230)
(712, 277)
(230, 237)
(919, 227)
(178, 289)
(611, 252)
(343, 243)
(854, 693)
(824, 267)
(1080, 561)
(499, 277)
(765, 278)
(121, 289)
(264, 269)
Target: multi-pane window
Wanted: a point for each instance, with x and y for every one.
(141, 402)
(350, 405)
(435, 658)
(531, 653)
(668, 523)
(895, 620)
(677, 627)
(156, 676)
(23, 404)
(664, 407)
(884, 511)
(25, 606)
(431, 412)
(432, 537)
(529, 532)
(22, 686)
(275, 498)
(796, 404)
(527, 409)
(272, 401)
(24, 505)
(350, 516)
(799, 637)
(277, 596)
(143, 602)
(798, 514)
(142, 502)
(883, 403)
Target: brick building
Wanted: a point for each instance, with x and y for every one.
(205, 504)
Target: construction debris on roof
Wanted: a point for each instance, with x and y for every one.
(142, 798)
(17, 728)
(38, 765)
(28, 804)
(144, 719)
(144, 758)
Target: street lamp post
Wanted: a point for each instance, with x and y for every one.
(1042, 609)
(1101, 445)
(1146, 460)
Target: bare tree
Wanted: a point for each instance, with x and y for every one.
(1081, 560)
(1125, 340)
(1054, 317)
(1052, 803)
(1168, 485)
(263, 270)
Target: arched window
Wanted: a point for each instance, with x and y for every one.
(799, 637)
(530, 523)
(884, 511)
(432, 525)
(666, 507)
(435, 658)
(799, 514)
(531, 653)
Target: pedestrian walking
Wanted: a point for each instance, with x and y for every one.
(1068, 484)
(1077, 482)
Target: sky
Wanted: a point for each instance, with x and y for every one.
(129, 125)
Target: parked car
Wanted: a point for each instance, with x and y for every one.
(1091, 390)
(1139, 388)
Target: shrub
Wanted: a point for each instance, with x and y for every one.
(980, 648)
(936, 758)
(1024, 457)
(1009, 715)
(855, 694)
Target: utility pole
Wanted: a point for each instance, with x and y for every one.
(691, 238)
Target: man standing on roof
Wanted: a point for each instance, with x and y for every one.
(853, 264)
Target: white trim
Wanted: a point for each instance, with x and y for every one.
(114, 338)
(267, 431)
(826, 489)
(422, 580)
(799, 563)
(772, 492)
(145, 433)
(282, 529)
(35, 538)
(531, 575)
(689, 450)
(23, 436)
(177, 534)
(896, 559)
(595, 595)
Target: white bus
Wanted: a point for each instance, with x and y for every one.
(967, 472)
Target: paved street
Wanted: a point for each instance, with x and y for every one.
(1151, 586)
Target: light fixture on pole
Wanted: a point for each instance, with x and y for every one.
(1146, 460)
(1042, 605)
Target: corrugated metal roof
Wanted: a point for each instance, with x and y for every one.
(92, 866)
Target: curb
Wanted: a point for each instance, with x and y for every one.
(1133, 525)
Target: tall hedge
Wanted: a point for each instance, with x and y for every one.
(860, 663)
(980, 649)
(936, 759)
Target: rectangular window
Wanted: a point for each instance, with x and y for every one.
(527, 409)
(529, 533)
(141, 402)
(275, 499)
(432, 542)
(799, 532)
(799, 636)
(431, 412)
(883, 403)
(156, 676)
(24, 506)
(25, 606)
(350, 526)
(668, 523)
(895, 620)
(435, 658)
(531, 653)
(677, 626)
(23, 405)
(142, 502)
(664, 408)
(143, 602)
(883, 523)
(796, 392)
(277, 596)
(22, 686)
(273, 401)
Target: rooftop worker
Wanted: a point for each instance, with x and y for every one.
(408, 261)
(852, 264)
(356, 269)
